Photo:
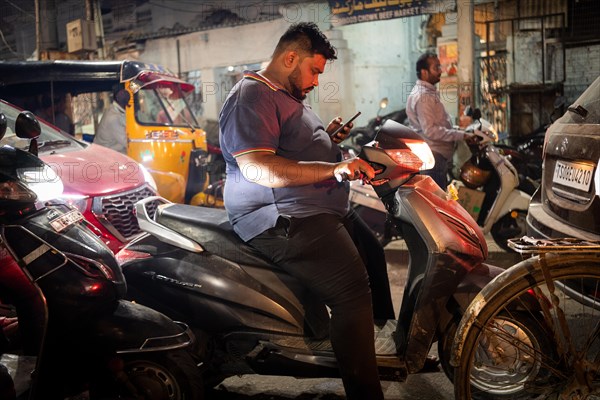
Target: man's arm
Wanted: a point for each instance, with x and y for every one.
(271, 170)
(432, 119)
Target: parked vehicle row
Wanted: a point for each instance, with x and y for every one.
(67, 291)
(101, 183)
(249, 316)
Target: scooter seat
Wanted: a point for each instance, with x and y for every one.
(210, 228)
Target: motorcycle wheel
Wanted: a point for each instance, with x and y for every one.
(548, 349)
(445, 348)
(506, 358)
(171, 375)
(511, 225)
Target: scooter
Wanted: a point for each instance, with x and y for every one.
(362, 197)
(67, 291)
(489, 186)
(250, 316)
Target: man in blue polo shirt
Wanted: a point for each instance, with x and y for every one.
(283, 198)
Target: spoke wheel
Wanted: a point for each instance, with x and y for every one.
(518, 348)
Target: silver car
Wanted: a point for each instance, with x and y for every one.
(567, 204)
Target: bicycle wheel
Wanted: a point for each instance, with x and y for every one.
(523, 339)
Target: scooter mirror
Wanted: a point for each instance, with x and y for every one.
(476, 114)
(27, 126)
(3, 125)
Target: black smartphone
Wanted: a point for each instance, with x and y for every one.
(344, 124)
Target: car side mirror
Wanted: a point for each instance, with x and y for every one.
(3, 125)
(28, 127)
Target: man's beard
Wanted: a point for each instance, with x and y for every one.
(296, 90)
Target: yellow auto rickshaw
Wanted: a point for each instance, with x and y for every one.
(163, 134)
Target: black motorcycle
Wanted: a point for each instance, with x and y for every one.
(361, 135)
(250, 316)
(67, 291)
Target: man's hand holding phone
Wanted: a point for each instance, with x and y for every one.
(338, 131)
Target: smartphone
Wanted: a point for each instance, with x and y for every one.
(345, 124)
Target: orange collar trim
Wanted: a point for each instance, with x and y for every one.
(260, 78)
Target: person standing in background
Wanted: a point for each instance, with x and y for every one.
(428, 116)
(111, 131)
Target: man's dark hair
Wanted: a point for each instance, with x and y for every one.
(120, 95)
(306, 37)
(423, 62)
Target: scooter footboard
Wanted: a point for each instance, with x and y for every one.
(134, 328)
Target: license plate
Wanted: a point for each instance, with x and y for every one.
(574, 175)
(66, 220)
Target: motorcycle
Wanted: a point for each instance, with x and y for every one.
(67, 291)
(251, 317)
(489, 187)
(359, 136)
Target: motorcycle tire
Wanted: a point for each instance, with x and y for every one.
(511, 225)
(494, 353)
(170, 375)
(547, 346)
(445, 343)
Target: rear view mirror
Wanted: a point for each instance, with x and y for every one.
(27, 126)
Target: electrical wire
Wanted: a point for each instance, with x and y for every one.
(7, 45)
(20, 9)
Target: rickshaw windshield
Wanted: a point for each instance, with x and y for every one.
(163, 104)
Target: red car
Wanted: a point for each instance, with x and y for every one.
(102, 183)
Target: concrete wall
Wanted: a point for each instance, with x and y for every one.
(375, 60)
(384, 57)
(583, 67)
(218, 48)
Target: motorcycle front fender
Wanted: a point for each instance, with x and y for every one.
(436, 315)
(134, 328)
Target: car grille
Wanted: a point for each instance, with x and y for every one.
(116, 212)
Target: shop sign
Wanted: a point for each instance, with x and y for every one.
(355, 11)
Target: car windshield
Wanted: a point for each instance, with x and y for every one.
(586, 110)
(163, 105)
(51, 139)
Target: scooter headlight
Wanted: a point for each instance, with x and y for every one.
(42, 181)
(417, 157)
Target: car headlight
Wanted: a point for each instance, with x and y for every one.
(148, 177)
(44, 182)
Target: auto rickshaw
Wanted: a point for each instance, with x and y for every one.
(163, 133)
